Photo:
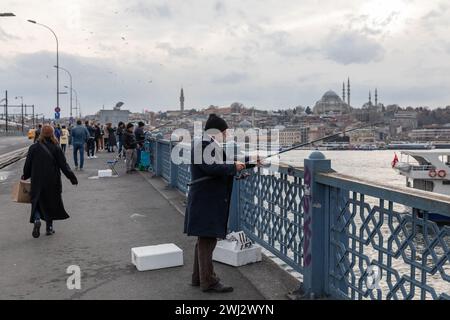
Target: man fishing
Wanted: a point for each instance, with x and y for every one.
(209, 201)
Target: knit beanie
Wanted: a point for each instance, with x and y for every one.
(214, 122)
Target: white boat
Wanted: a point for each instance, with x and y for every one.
(428, 171)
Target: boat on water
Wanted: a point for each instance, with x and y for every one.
(410, 146)
(427, 170)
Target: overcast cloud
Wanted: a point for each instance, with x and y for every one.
(263, 53)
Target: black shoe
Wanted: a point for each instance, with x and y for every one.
(37, 229)
(219, 288)
(50, 231)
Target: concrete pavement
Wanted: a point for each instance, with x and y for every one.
(109, 216)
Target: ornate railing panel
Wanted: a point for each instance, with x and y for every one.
(381, 250)
(270, 212)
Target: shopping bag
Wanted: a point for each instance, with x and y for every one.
(21, 192)
(240, 240)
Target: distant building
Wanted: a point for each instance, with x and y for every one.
(113, 116)
(430, 134)
(331, 103)
(292, 136)
(406, 119)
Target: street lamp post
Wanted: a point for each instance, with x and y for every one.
(57, 58)
(71, 86)
(76, 100)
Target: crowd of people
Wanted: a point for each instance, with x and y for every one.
(46, 160)
(93, 137)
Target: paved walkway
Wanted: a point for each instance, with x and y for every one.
(109, 216)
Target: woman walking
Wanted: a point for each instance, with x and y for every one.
(64, 140)
(43, 165)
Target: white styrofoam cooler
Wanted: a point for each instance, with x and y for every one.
(105, 173)
(157, 257)
(229, 253)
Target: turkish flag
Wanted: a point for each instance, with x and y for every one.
(395, 161)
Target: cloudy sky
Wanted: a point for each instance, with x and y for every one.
(264, 53)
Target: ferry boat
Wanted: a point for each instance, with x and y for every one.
(410, 146)
(428, 171)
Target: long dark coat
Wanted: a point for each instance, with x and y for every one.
(209, 201)
(112, 137)
(46, 186)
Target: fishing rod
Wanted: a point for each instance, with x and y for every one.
(161, 126)
(320, 139)
(154, 129)
(244, 175)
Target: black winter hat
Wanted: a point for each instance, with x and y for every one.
(214, 122)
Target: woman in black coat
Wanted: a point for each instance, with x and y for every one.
(44, 163)
(208, 204)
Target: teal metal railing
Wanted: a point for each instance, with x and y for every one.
(349, 238)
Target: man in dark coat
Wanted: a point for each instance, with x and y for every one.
(208, 203)
(44, 163)
(140, 138)
(130, 145)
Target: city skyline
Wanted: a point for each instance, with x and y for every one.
(256, 52)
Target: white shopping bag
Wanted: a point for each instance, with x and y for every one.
(241, 241)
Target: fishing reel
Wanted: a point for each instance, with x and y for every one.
(244, 174)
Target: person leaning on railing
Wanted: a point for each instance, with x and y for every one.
(130, 145)
(208, 205)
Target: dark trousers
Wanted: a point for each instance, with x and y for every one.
(78, 148)
(203, 274)
(91, 147)
(63, 147)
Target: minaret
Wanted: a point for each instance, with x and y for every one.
(348, 92)
(182, 100)
(376, 97)
(343, 91)
(370, 97)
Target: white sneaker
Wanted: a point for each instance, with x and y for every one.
(95, 157)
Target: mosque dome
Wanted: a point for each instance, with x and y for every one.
(330, 95)
(331, 103)
(245, 124)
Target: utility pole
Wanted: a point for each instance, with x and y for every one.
(22, 120)
(34, 119)
(6, 111)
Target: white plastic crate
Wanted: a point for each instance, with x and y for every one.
(228, 252)
(157, 257)
(104, 173)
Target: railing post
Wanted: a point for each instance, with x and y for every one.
(173, 168)
(233, 220)
(315, 227)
